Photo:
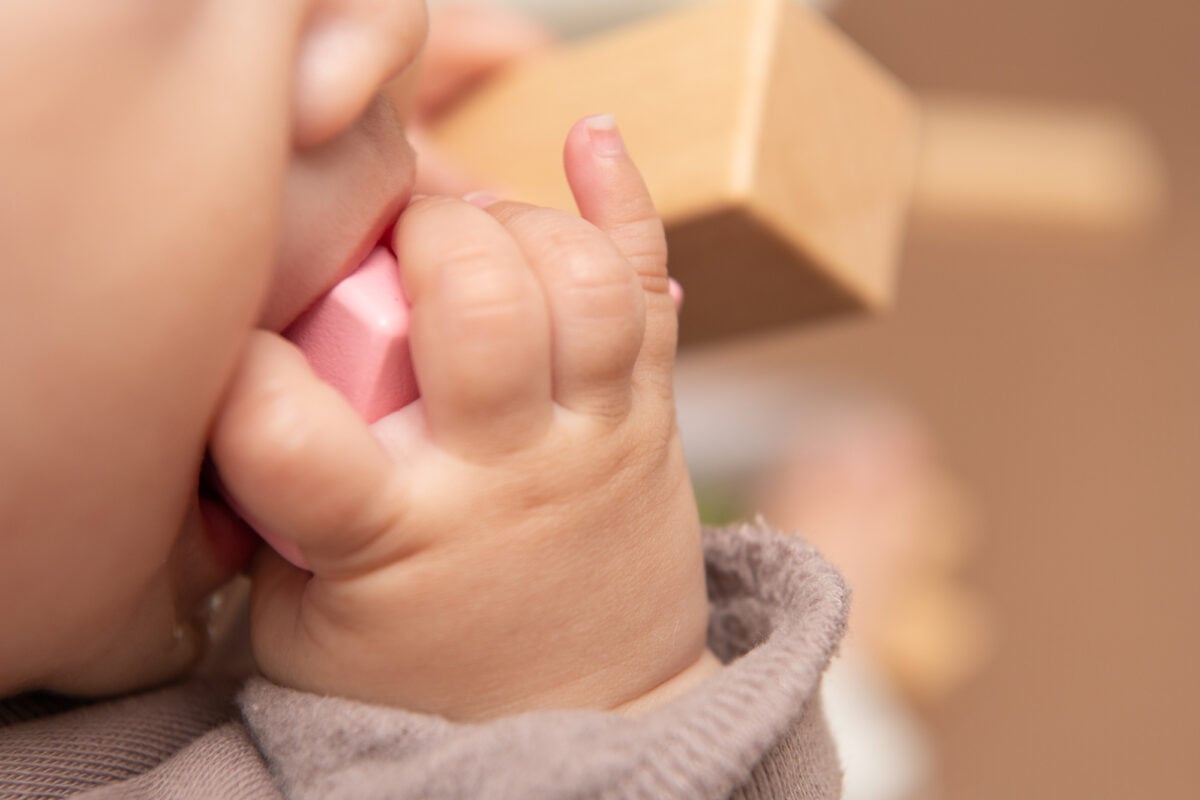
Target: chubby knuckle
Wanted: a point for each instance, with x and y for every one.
(466, 255)
(552, 233)
(483, 285)
(511, 212)
(594, 272)
(651, 269)
(488, 322)
(581, 256)
(558, 236)
(649, 226)
(490, 303)
(276, 431)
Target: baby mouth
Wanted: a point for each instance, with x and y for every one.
(229, 540)
(212, 550)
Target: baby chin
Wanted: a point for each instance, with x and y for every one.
(168, 631)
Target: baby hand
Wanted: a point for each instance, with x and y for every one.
(523, 536)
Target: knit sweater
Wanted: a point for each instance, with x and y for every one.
(752, 731)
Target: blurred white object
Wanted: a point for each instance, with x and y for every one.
(860, 477)
(585, 16)
(884, 751)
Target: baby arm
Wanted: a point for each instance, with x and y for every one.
(524, 535)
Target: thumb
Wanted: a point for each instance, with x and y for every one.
(299, 463)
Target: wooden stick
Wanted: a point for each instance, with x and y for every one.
(1018, 168)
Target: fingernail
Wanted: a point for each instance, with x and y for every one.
(481, 199)
(606, 139)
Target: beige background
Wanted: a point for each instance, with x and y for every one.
(1062, 377)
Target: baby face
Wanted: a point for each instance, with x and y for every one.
(175, 174)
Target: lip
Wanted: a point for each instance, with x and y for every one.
(214, 547)
(228, 539)
(338, 204)
(379, 234)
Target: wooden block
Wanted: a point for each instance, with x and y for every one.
(779, 155)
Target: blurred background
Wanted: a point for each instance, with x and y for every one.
(1007, 464)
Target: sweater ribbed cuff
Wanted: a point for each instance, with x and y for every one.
(778, 613)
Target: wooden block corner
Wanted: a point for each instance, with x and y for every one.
(780, 156)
